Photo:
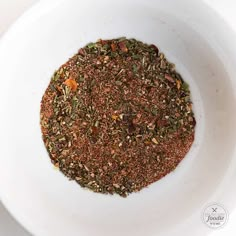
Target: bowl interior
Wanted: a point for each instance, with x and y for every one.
(46, 201)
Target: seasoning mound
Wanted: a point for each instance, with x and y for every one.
(117, 116)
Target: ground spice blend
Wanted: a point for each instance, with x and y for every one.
(117, 116)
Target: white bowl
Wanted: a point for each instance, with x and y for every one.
(203, 48)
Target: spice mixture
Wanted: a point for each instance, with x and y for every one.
(117, 116)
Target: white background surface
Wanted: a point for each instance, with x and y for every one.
(9, 11)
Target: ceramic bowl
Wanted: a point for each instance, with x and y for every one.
(203, 48)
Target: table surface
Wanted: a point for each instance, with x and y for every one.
(10, 10)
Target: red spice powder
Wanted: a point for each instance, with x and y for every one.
(117, 116)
